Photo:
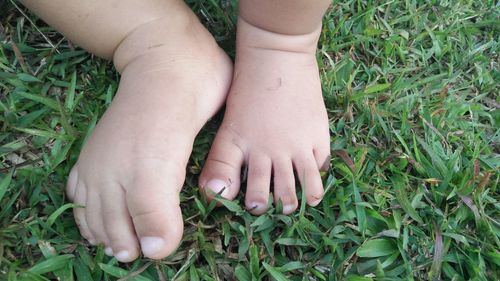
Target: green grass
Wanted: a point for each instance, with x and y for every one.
(412, 92)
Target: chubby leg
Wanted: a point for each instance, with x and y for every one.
(275, 120)
(174, 77)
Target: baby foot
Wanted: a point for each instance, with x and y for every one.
(275, 122)
(132, 168)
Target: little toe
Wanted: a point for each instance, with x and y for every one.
(284, 185)
(118, 225)
(222, 170)
(322, 156)
(79, 213)
(93, 214)
(310, 179)
(258, 185)
(153, 204)
(72, 184)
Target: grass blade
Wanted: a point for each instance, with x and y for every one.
(376, 248)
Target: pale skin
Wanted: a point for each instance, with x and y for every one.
(174, 78)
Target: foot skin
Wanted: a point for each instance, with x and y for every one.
(275, 122)
(132, 168)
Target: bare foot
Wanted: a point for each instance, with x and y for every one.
(275, 122)
(132, 168)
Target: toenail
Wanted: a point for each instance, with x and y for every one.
(259, 207)
(123, 256)
(216, 186)
(288, 209)
(151, 245)
(92, 242)
(315, 202)
(108, 251)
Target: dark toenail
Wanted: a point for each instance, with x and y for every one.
(256, 206)
(253, 208)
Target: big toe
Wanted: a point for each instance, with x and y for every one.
(153, 204)
(222, 170)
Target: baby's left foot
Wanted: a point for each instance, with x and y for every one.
(275, 122)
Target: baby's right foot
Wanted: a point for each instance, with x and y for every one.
(132, 168)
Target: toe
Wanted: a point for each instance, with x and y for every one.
(72, 183)
(79, 213)
(310, 178)
(153, 204)
(259, 180)
(222, 170)
(284, 185)
(93, 214)
(118, 225)
(322, 156)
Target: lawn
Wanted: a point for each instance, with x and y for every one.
(412, 90)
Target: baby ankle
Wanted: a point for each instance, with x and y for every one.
(155, 37)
